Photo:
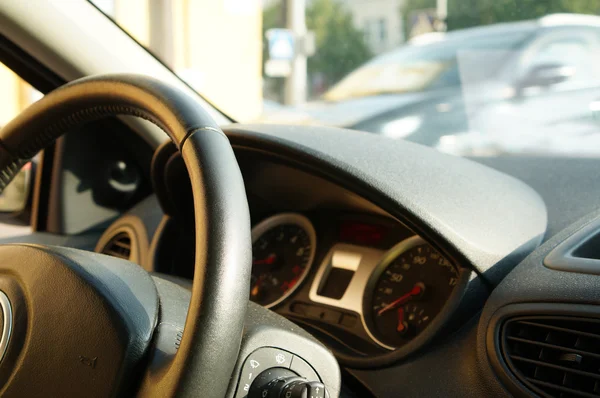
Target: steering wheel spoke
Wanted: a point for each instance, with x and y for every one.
(80, 321)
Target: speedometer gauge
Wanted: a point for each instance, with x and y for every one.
(283, 249)
(407, 292)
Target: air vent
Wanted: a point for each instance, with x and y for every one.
(119, 246)
(554, 356)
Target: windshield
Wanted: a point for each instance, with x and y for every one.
(468, 77)
(419, 65)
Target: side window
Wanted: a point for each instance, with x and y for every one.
(15, 96)
(577, 53)
(576, 50)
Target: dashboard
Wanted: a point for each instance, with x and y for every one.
(389, 264)
(370, 288)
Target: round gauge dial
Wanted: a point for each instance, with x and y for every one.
(408, 290)
(283, 249)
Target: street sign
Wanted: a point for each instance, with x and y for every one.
(281, 44)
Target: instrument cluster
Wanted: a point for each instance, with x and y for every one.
(365, 284)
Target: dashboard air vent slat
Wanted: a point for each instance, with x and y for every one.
(553, 346)
(119, 246)
(557, 356)
(566, 392)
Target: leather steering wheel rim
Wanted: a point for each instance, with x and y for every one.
(210, 344)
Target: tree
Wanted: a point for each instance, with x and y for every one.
(468, 13)
(340, 47)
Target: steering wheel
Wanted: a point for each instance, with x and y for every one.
(77, 323)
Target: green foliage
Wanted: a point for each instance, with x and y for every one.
(340, 47)
(468, 13)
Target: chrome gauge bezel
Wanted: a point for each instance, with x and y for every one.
(288, 219)
(438, 321)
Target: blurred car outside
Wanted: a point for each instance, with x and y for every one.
(521, 87)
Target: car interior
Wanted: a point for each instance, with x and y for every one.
(174, 251)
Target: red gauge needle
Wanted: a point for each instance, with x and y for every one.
(416, 290)
(401, 325)
(268, 261)
(255, 291)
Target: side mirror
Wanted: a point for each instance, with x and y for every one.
(14, 199)
(545, 75)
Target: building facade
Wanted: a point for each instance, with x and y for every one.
(182, 33)
(380, 21)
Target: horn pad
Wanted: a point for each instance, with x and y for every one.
(80, 322)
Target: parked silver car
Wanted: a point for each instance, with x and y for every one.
(517, 87)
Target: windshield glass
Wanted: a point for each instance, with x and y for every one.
(468, 77)
(419, 66)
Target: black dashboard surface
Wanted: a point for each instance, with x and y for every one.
(481, 219)
(488, 216)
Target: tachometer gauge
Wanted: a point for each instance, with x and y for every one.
(407, 292)
(283, 249)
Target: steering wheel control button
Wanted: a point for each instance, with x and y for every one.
(271, 382)
(283, 383)
(259, 361)
(301, 367)
(313, 389)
